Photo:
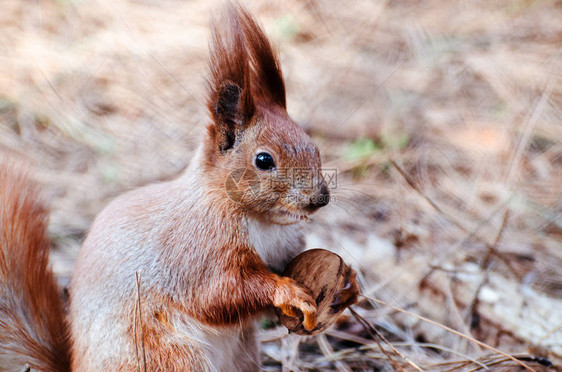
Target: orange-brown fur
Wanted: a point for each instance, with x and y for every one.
(32, 329)
(172, 276)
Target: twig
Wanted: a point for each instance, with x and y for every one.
(490, 361)
(413, 185)
(489, 364)
(526, 134)
(549, 333)
(486, 265)
(138, 308)
(174, 78)
(442, 348)
(368, 327)
(486, 346)
(342, 335)
(328, 351)
(456, 312)
(136, 336)
(494, 247)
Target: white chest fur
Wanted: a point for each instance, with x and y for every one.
(275, 244)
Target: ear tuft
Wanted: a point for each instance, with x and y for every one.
(267, 78)
(230, 99)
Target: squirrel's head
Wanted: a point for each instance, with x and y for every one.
(255, 155)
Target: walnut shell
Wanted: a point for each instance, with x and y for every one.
(323, 273)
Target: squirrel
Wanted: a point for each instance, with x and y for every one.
(174, 275)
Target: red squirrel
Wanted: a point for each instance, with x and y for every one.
(172, 276)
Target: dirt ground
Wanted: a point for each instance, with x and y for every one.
(441, 119)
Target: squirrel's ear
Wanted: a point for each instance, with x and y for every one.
(230, 99)
(229, 114)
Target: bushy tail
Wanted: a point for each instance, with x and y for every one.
(32, 326)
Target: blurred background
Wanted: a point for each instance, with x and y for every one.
(443, 120)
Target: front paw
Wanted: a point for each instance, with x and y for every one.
(295, 301)
(346, 296)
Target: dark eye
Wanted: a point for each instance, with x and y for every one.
(264, 161)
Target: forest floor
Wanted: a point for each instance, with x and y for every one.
(441, 119)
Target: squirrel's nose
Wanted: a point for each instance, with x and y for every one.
(320, 199)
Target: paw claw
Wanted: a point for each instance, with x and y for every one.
(347, 286)
(346, 296)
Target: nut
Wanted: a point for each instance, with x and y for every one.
(324, 274)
